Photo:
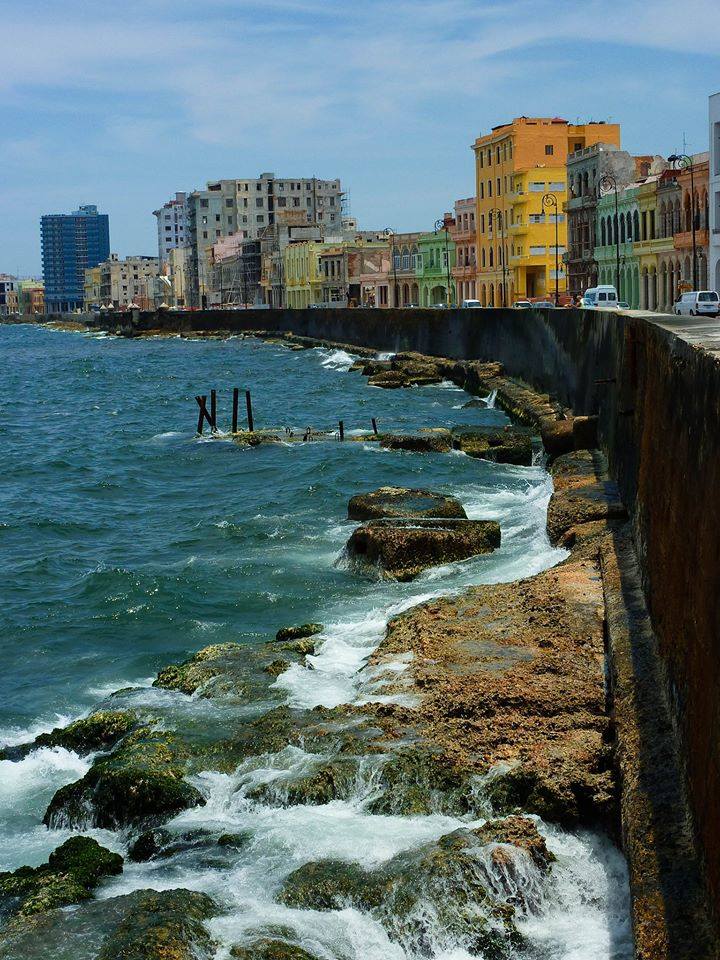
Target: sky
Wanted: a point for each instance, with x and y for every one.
(123, 104)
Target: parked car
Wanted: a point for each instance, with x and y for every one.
(603, 297)
(522, 305)
(545, 304)
(470, 305)
(697, 303)
(622, 305)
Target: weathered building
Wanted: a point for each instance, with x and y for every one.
(171, 226)
(464, 235)
(714, 192)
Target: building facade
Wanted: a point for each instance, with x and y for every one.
(31, 297)
(517, 164)
(247, 208)
(464, 235)
(694, 206)
(436, 264)
(71, 244)
(129, 282)
(171, 226)
(714, 191)
(8, 295)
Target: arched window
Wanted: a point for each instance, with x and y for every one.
(636, 225)
(586, 188)
(603, 234)
(628, 218)
(622, 229)
(482, 256)
(491, 257)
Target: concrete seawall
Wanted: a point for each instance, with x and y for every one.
(654, 383)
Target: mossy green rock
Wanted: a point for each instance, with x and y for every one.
(409, 894)
(299, 633)
(334, 780)
(167, 925)
(277, 667)
(140, 782)
(417, 783)
(69, 876)
(190, 676)
(403, 502)
(271, 950)
(501, 445)
(99, 731)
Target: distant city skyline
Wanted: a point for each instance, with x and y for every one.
(124, 108)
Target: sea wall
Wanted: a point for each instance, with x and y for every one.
(655, 385)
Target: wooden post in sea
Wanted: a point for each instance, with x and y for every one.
(248, 404)
(203, 415)
(213, 411)
(342, 430)
(374, 426)
(236, 400)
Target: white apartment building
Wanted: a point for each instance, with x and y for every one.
(714, 199)
(171, 226)
(127, 281)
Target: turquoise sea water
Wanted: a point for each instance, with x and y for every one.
(126, 543)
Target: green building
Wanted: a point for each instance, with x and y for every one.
(434, 271)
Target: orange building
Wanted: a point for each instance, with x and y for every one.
(517, 166)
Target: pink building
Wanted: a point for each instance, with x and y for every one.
(463, 233)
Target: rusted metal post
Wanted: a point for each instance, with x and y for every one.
(248, 404)
(374, 426)
(213, 411)
(236, 400)
(203, 415)
(342, 430)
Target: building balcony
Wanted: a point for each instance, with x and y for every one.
(518, 228)
(466, 271)
(683, 240)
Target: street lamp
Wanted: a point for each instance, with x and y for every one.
(683, 160)
(442, 224)
(501, 223)
(608, 182)
(550, 200)
(390, 234)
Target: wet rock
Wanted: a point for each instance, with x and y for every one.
(584, 504)
(277, 667)
(148, 845)
(140, 782)
(415, 782)
(334, 780)
(509, 685)
(72, 872)
(223, 670)
(371, 368)
(577, 469)
(435, 441)
(299, 633)
(303, 648)
(409, 894)
(585, 433)
(271, 950)
(401, 549)
(557, 436)
(166, 925)
(235, 841)
(501, 445)
(99, 731)
(389, 380)
(255, 438)
(403, 502)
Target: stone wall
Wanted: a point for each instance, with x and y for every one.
(657, 395)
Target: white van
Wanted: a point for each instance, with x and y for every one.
(697, 303)
(603, 297)
(470, 304)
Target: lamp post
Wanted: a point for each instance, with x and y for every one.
(550, 200)
(500, 218)
(683, 160)
(442, 224)
(390, 234)
(608, 182)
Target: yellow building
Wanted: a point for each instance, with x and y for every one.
(91, 288)
(517, 165)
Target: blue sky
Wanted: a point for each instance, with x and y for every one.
(123, 104)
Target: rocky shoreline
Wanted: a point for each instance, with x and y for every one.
(494, 706)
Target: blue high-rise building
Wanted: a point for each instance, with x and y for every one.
(71, 244)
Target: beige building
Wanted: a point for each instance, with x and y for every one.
(124, 282)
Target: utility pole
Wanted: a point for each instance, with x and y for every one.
(551, 201)
(686, 162)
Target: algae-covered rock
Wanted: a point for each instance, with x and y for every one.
(401, 549)
(267, 949)
(166, 925)
(72, 872)
(498, 444)
(415, 782)
(456, 891)
(403, 502)
(148, 845)
(436, 441)
(303, 647)
(583, 504)
(204, 666)
(301, 632)
(388, 379)
(333, 780)
(140, 782)
(99, 731)
(277, 667)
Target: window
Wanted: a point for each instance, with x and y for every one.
(260, 218)
(549, 150)
(497, 187)
(228, 203)
(481, 158)
(203, 203)
(205, 235)
(259, 201)
(229, 220)
(217, 218)
(281, 201)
